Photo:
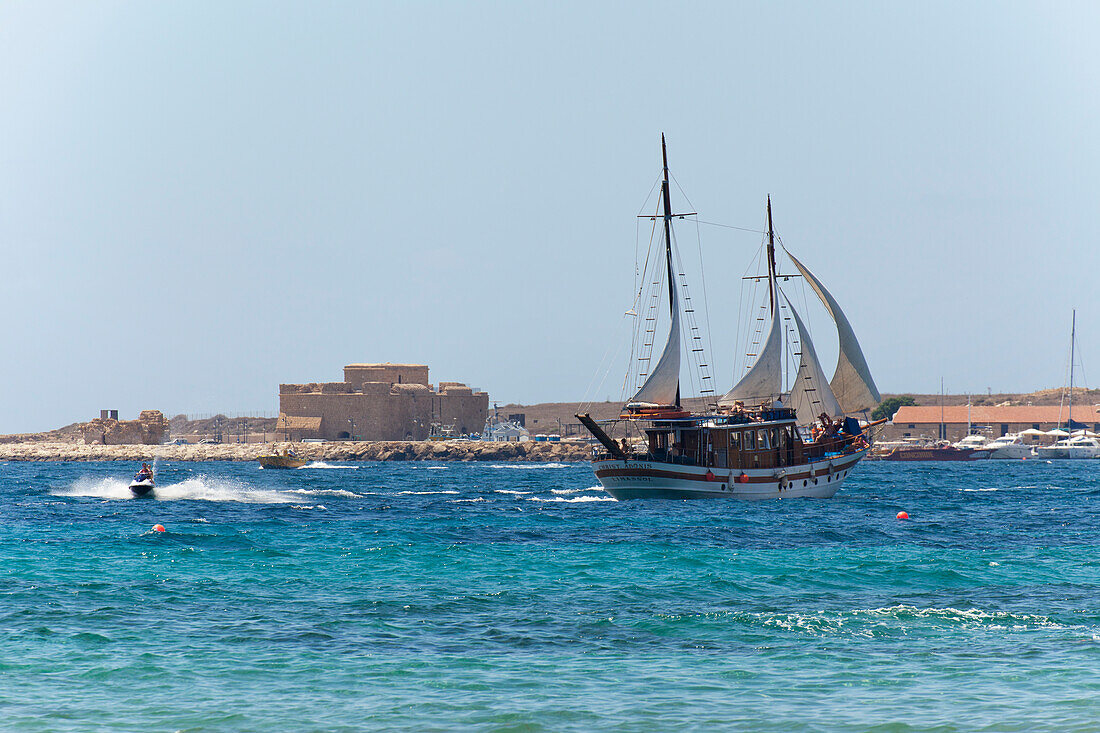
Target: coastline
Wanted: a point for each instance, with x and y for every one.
(532, 451)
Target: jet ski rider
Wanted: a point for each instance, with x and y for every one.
(145, 474)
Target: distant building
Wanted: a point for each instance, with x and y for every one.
(379, 402)
(506, 432)
(925, 420)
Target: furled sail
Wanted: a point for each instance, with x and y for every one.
(852, 384)
(663, 382)
(810, 393)
(762, 382)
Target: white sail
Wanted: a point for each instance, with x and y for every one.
(663, 382)
(762, 383)
(852, 384)
(810, 393)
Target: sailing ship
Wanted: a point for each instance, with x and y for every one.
(759, 440)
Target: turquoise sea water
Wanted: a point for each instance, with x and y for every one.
(520, 598)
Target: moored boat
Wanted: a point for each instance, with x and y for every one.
(773, 435)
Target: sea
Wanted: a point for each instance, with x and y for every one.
(520, 597)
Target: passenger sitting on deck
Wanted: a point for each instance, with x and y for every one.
(829, 427)
(625, 448)
(144, 474)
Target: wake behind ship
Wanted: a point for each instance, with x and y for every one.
(773, 435)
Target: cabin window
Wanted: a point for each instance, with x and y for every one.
(775, 437)
(762, 442)
(750, 440)
(735, 440)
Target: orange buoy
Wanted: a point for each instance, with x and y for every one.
(158, 527)
(903, 515)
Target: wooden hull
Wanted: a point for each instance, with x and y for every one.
(642, 479)
(282, 462)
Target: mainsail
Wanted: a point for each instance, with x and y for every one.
(762, 382)
(810, 393)
(852, 383)
(663, 383)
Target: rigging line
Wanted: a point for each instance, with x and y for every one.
(729, 226)
(681, 288)
(645, 203)
(706, 304)
(589, 395)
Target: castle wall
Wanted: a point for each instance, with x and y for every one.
(378, 410)
(356, 374)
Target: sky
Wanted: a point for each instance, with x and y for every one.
(202, 200)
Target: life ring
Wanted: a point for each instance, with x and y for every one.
(743, 478)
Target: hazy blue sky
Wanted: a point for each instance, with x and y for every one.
(199, 201)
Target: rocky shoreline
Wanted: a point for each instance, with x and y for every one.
(534, 452)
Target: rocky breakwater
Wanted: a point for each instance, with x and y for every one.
(472, 450)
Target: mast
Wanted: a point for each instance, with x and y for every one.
(773, 284)
(771, 258)
(668, 243)
(943, 425)
(1072, 343)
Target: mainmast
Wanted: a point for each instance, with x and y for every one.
(771, 259)
(773, 286)
(668, 243)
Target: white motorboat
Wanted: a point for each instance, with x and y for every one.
(1009, 446)
(979, 444)
(1078, 446)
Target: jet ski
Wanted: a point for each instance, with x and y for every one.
(143, 481)
(142, 487)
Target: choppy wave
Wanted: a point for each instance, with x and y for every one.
(528, 466)
(576, 491)
(426, 493)
(511, 491)
(888, 621)
(322, 464)
(571, 500)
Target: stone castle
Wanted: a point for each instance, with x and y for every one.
(380, 402)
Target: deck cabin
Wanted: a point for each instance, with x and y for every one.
(764, 439)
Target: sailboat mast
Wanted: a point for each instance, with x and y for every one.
(773, 286)
(668, 242)
(771, 258)
(1072, 344)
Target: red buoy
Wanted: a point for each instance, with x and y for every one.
(903, 515)
(158, 527)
